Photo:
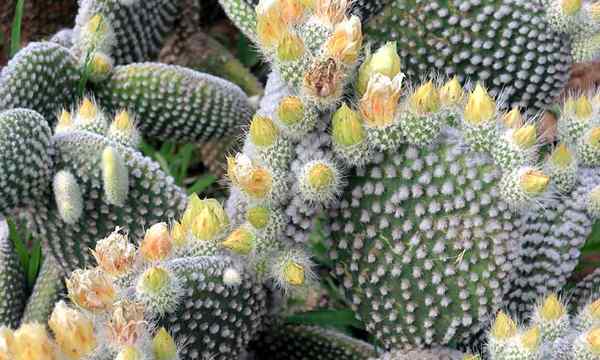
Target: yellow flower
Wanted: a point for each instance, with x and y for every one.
(7, 340)
(378, 104)
(31, 342)
(290, 110)
(530, 339)
(270, 25)
(425, 100)
(163, 345)
(320, 176)
(513, 119)
(74, 332)
(552, 308)
(294, 273)
(345, 42)
(330, 12)
(571, 7)
(91, 289)
(561, 156)
(240, 241)
(115, 254)
(534, 182)
(384, 61)
(593, 340)
(525, 137)
(157, 243)
(263, 132)
(504, 327)
(126, 323)
(452, 92)
(254, 180)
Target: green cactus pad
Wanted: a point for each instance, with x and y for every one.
(49, 289)
(24, 158)
(302, 342)
(175, 103)
(421, 243)
(216, 320)
(505, 43)
(12, 281)
(152, 197)
(41, 77)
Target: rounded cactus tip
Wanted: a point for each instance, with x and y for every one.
(68, 197)
(91, 289)
(480, 107)
(158, 289)
(240, 241)
(163, 345)
(73, 331)
(347, 129)
(503, 327)
(345, 43)
(378, 104)
(263, 132)
(384, 61)
(157, 243)
(114, 254)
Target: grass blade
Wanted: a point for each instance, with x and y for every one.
(15, 35)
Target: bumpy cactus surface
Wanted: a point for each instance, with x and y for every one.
(441, 206)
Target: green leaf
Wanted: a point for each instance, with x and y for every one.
(337, 318)
(202, 184)
(185, 156)
(35, 262)
(15, 35)
(20, 244)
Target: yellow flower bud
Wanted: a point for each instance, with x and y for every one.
(270, 25)
(594, 308)
(31, 342)
(263, 132)
(534, 182)
(593, 340)
(129, 353)
(452, 92)
(593, 137)
(345, 42)
(384, 61)
(571, 7)
(253, 180)
(292, 11)
(294, 273)
(122, 121)
(240, 241)
(204, 218)
(290, 110)
(347, 129)
(91, 289)
(378, 104)
(154, 280)
(525, 137)
(126, 324)
(258, 216)
(7, 343)
(65, 121)
(97, 25)
(552, 309)
(513, 119)
(100, 65)
(581, 108)
(561, 156)
(595, 11)
(290, 47)
(425, 100)
(179, 235)
(163, 345)
(193, 208)
(73, 332)
(157, 243)
(87, 110)
(472, 357)
(530, 339)
(504, 327)
(480, 106)
(320, 176)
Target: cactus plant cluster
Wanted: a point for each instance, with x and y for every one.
(442, 203)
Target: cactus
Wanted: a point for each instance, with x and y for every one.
(439, 204)
(13, 299)
(551, 334)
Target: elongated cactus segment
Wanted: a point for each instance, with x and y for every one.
(24, 158)
(12, 280)
(48, 290)
(192, 106)
(42, 77)
(297, 342)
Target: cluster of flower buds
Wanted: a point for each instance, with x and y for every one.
(552, 334)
